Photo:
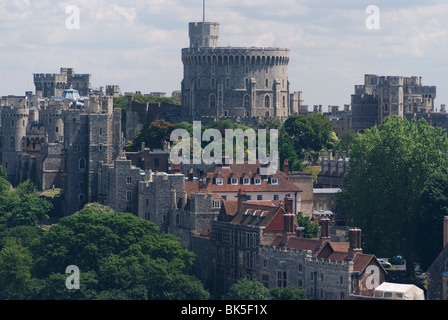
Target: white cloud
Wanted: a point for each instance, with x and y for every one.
(137, 44)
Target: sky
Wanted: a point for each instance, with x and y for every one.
(137, 44)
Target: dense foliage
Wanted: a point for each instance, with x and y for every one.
(119, 256)
(389, 184)
(245, 289)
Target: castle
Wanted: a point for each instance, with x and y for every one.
(232, 82)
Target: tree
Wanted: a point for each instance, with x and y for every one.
(381, 194)
(288, 293)
(124, 256)
(154, 135)
(307, 135)
(433, 207)
(311, 229)
(246, 289)
(16, 282)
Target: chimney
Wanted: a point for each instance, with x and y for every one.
(242, 197)
(190, 175)
(288, 221)
(355, 240)
(445, 231)
(288, 204)
(324, 228)
(286, 167)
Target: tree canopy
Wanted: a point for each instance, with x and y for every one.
(390, 167)
(120, 255)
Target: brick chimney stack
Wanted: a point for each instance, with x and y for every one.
(286, 167)
(288, 204)
(324, 228)
(355, 240)
(242, 197)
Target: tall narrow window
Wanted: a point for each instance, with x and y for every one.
(212, 101)
(267, 102)
(12, 142)
(82, 164)
(246, 102)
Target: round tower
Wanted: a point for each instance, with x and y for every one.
(14, 124)
(222, 82)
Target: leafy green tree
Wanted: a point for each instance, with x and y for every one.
(311, 228)
(126, 257)
(306, 135)
(429, 219)
(389, 168)
(288, 293)
(16, 282)
(246, 289)
(154, 135)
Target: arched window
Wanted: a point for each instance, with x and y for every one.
(246, 101)
(267, 102)
(212, 101)
(82, 164)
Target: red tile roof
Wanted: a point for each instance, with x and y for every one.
(239, 171)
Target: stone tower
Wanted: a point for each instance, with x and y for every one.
(14, 125)
(92, 136)
(229, 82)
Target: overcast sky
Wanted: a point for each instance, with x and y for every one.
(137, 44)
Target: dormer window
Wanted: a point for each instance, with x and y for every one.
(234, 181)
(246, 181)
(274, 180)
(257, 181)
(219, 181)
(216, 204)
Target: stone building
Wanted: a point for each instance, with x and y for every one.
(50, 85)
(225, 81)
(92, 136)
(383, 96)
(118, 185)
(263, 241)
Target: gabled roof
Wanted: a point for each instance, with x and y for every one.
(243, 170)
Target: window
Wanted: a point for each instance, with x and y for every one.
(246, 181)
(81, 197)
(267, 102)
(82, 164)
(257, 181)
(274, 180)
(276, 197)
(199, 82)
(299, 283)
(12, 142)
(249, 197)
(246, 102)
(128, 195)
(234, 181)
(265, 280)
(259, 197)
(129, 180)
(219, 181)
(216, 204)
(267, 83)
(281, 279)
(212, 101)
(156, 162)
(227, 83)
